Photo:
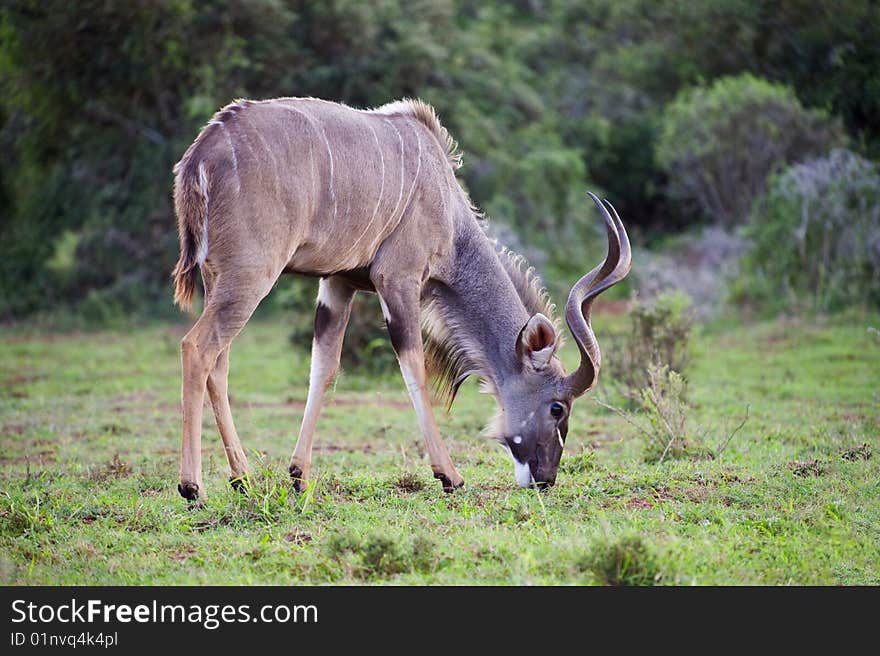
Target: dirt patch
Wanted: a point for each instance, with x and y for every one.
(179, 555)
(339, 401)
(646, 502)
(38, 458)
(640, 503)
(22, 379)
(298, 537)
(343, 448)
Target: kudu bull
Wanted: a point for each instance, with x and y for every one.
(369, 201)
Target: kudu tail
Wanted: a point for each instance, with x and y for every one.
(191, 207)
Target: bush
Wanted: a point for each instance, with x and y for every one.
(659, 335)
(816, 236)
(720, 143)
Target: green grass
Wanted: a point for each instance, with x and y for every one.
(89, 435)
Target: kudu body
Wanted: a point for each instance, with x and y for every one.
(368, 200)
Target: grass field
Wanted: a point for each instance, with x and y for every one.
(89, 435)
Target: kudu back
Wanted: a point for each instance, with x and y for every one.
(367, 200)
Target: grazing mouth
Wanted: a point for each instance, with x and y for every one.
(521, 470)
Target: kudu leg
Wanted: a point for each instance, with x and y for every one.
(402, 312)
(218, 382)
(332, 311)
(222, 319)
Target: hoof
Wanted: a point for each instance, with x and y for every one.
(296, 475)
(239, 483)
(189, 491)
(448, 484)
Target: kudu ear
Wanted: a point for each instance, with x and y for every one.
(537, 342)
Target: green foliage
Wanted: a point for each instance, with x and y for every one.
(719, 143)
(659, 335)
(816, 237)
(546, 99)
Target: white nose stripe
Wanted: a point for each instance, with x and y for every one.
(523, 473)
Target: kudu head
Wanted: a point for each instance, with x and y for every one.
(536, 405)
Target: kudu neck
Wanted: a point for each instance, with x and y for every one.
(485, 302)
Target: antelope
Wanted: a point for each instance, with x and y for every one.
(368, 200)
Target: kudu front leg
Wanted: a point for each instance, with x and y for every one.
(402, 311)
(332, 311)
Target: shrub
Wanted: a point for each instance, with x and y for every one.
(659, 334)
(816, 236)
(719, 144)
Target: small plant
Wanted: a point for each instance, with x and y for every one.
(115, 468)
(659, 335)
(668, 435)
(379, 554)
(625, 561)
(409, 482)
(578, 463)
(857, 452)
(807, 468)
(264, 495)
(24, 516)
(664, 405)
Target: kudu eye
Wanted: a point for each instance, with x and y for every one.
(556, 409)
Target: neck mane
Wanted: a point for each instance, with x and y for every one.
(472, 320)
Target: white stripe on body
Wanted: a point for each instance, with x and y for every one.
(378, 202)
(412, 188)
(202, 253)
(234, 157)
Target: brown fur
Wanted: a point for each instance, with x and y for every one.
(364, 200)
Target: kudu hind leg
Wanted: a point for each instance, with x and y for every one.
(222, 319)
(332, 312)
(401, 308)
(218, 384)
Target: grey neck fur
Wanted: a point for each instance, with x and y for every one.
(473, 318)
